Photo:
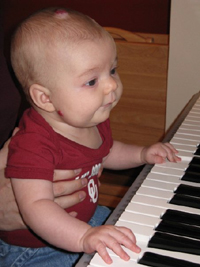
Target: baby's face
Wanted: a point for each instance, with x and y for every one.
(88, 85)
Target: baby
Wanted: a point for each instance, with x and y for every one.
(67, 66)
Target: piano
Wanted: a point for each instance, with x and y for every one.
(162, 207)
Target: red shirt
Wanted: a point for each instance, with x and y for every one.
(37, 150)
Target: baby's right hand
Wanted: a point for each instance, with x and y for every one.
(98, 238)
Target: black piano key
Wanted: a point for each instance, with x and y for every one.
(184, 200)
(195, 160)
(156, 260)
(181, 217)
(179, 229)
(193, 168)
(191, 177)
(197, 152)
(174, 243)
(188, 190)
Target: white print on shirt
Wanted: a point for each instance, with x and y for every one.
(92, 190)
(95, 169)
(92, 187)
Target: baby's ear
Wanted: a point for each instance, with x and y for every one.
(40, 96)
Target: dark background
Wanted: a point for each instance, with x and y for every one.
(148, 16)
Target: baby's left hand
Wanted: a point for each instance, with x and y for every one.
(158, 153)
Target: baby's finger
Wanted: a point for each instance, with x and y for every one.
(113, 244)
(103, 253)
(128, 239)
(117, 248)
(171, 152)
(171, 147)
(127, 232)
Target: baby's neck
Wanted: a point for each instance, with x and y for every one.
(88, 136)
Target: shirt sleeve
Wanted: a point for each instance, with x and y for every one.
(31, 156)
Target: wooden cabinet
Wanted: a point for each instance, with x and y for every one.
(139, 117)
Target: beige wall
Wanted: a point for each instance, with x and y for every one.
(184, 56)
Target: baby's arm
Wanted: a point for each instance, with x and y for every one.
(45, 217)
(53, 224)
(124, 156)
(66, 193)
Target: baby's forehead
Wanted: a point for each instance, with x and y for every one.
(74, 45)
(88, 51)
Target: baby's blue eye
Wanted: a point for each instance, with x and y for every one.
(91, 83)
(113, 71)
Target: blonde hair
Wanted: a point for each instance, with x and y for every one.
(45, 30)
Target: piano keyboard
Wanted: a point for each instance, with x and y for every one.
(162, 207)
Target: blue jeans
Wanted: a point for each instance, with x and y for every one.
(14, 256)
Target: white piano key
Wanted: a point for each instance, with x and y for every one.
(138, 219)
(195, 108)
(190, 122)
(187, 137)
(194, 112)
(169, 179)
(166, 171)
(164, 177)
(157, 193)
(159, 185)
(161, 203)
(181, 147)
(188, 128)
(194, 118)
(194, 115)
(182, 165)
(181, 140)
(186, 156)
(191, 127)
(188, 132)
(140, 208)
(97, 261)
(142, 232)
